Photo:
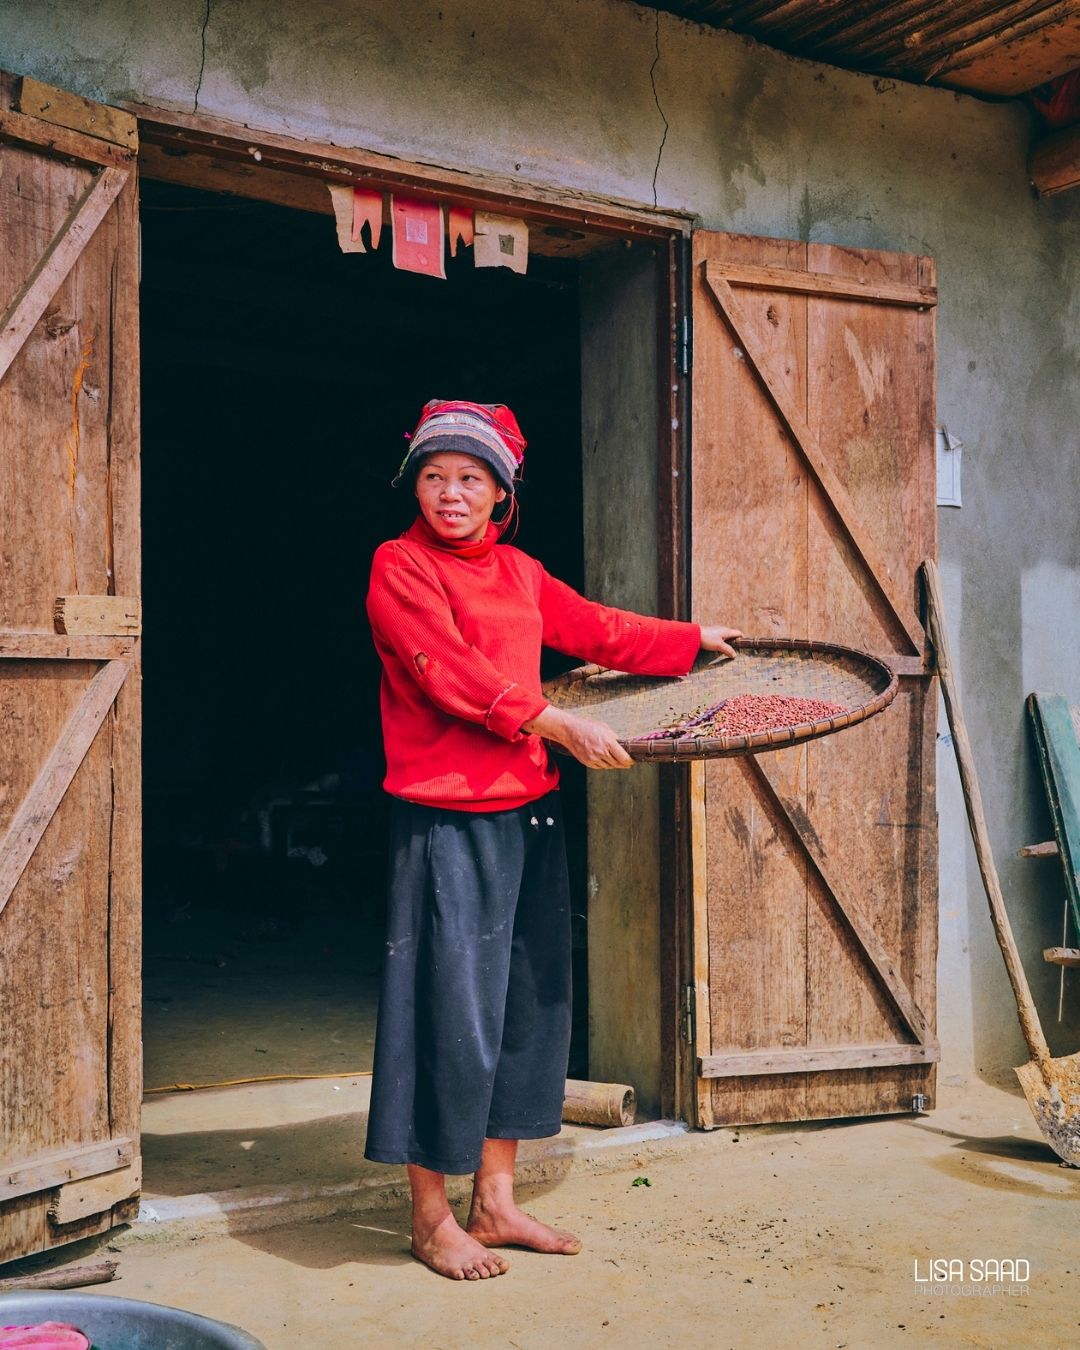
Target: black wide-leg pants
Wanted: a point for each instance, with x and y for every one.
(473, 1033)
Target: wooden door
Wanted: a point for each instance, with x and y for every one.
(70, 1058)
(814, 884)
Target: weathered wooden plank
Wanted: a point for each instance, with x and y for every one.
(33, 816)
(815, 1061)
(877, 291)
(749, 524)
(125, 1063)
(236, 178)
(97, 614)
(78, 1200)
(908, 667)
(806, 442)
(18, 129)
(49, 1170)
(865, 406)
(1062, 956)
(64, 109)
(55, 386)
(30, 301)
(699, 1010)
(67, 1277)
(883, 964)
(25, 1226)
(230, 141)
(16, 646)
(1047, 850)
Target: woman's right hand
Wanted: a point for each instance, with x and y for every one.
(593, 743)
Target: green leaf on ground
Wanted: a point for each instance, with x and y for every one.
(641, 1181)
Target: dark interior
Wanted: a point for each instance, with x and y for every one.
(279, 376)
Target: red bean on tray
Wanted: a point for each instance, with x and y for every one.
(747, 714)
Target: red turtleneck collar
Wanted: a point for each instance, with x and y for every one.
(422, 533)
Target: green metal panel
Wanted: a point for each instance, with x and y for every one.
(1058, 740)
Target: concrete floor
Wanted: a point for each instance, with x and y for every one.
(749, 1238)
(230, 997)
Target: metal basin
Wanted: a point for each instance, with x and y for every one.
(125, 1323)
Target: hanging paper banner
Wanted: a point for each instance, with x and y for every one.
(353, 208)
(342, 197)
(500, 241)
(418, 230)
(460, 228)
(367, 210)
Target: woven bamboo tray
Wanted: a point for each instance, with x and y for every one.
(633, 705)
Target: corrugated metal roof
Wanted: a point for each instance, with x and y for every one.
(976, 45)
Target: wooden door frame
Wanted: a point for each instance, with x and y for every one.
(221, 156)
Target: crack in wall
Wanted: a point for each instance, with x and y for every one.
(202, 57)
(656, 100)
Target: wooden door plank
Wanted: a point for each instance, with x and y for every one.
(882, 963)
(79, 1200)
(749, 505)
(61, 108)
(49, 1170)
(35, 812)
(913, 666)
(97, 614)
(866, 787)
(761, 277)
(53, 141)
(805, 442)
(815, 1061)
(701, 1026)
(32, 646)
(125, 1065)
(31, 300)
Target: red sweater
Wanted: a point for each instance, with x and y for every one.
(480, 614)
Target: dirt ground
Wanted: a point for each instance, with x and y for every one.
(820, 1234)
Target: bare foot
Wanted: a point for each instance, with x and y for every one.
(508, 1226)
(450, 1251)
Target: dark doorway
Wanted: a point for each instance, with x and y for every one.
(279, 378)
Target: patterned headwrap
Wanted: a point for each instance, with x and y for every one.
(489, 431)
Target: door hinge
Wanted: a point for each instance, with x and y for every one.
(685, 345)
(688, 1007)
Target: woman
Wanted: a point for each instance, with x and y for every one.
(474, 1019)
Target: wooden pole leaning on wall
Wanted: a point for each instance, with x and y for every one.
(598, 1103)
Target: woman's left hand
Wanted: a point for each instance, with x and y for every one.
(717, 638)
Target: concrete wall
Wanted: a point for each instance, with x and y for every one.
(604, 96)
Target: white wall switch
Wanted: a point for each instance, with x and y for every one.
(950, 450)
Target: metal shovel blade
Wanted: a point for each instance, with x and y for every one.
(1052, 1089)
